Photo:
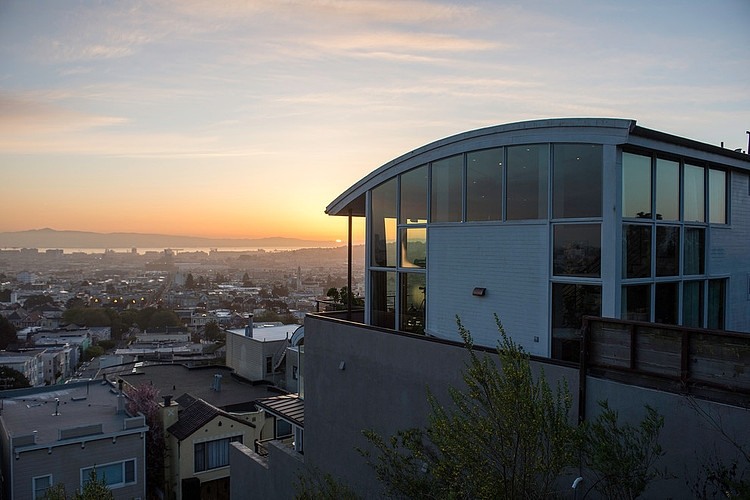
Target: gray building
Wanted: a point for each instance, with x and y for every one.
(58, 435)
(544, 223)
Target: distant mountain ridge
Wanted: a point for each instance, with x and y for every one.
(51, 238)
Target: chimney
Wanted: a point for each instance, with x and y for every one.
(249, 327)
(167, 400)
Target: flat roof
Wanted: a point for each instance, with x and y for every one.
(268, 333)
(79, 405)
(177, 379)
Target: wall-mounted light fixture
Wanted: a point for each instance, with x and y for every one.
(479, 291)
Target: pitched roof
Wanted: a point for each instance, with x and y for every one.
(290, 407)
(196, 414)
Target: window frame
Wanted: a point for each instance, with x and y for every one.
(205, 452)
(35, 493)
(84, 471)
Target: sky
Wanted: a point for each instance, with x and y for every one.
(245, 119)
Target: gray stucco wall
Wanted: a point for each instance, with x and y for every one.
(384, 383)
(511, 261)
(263, 478)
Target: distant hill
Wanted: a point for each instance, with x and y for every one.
(51, 238)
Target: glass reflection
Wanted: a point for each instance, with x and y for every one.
(414, 247)
(383, 224)
(636, 186)
(667, 189)
(412, 305)
(484, 185)
(447, 189)
(527, 173)
(414, 196)
(694, 193)
(577, 181)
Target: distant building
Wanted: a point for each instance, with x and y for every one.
(29, 363)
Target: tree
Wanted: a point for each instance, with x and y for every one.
(8, 333)
(246, 280)
(214, 331)
(190, 281)
(507, 435)
(622, 458)
(144, 399)
(314, 485)
(5, 295)
(95, 488)
(162, 318)
(92, 352)
(11, 378)
(35, 301)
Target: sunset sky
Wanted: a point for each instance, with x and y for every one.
(244, 119)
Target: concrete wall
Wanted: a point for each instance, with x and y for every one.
(274, 476)
(384, 383)
(511, 261)
(247, 356)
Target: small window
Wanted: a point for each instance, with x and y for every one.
(40, 485)
(213, 454)
(667, 250)
(269, 364)
(636, 302)
(283, 428)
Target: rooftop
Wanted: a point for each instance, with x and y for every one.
(268, 333)
(38, 412)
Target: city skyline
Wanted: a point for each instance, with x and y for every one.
(245, 119)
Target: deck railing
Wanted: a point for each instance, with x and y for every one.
(694, 361)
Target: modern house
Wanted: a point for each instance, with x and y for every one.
(616, 255)
(58, 435)
(258, 351)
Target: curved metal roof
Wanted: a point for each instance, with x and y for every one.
(611, 131)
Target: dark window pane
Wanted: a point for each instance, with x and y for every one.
(383, 300)
(695, 250)
(636, 302)
(636, 186)
(666, 303)
(667, 190)
(414, 247)
(484, 185)
(412, 302)
(528, 168)
(577, 250)
(693, 193)
(692, 304)
(414, 196)
(636, 242)
(446, 194)
(667, 250)
(570, 303)
(577, 180)
(383, 224)
(717, 193)
(716, 304)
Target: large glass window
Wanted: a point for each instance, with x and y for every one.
(692, 304)
(716, 304)
(666, 303)
(667, 189)
(570, 303)
(527, 174)
(447, 189)
(667, 250)
(213, 454)
(414, 196)
(414, 247)
(577, 250)
(636, 241)
(694, 194)
(636, 302)
(413, 300)
(577, 180)
(383, 299)
(383, 224)
(695, 250)
(484, 185)
(717, 196)
(114, 475)
(636, 186)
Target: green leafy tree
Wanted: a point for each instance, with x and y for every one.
(89, 316)
(507, 435)
(189, 281)
(144, 317)
(95, 488)
(11, 378)
(164, 317)
(7, 333)
(92, 352)
(622, 457)
(214, 331)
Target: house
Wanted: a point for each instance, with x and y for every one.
(58, 435)
(568, 230)
(30, 363)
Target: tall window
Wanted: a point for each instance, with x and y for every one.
(717, 196)
(528, 170)
(636, 186)
(577, 181)
(413, 196)
(213, 454)
(383, 224)
(447, 189)
(570, 303)
(694, 194)
(484, 185)
(114, 475)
